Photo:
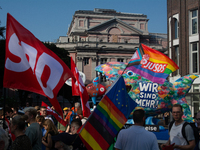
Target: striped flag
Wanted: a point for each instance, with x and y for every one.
(151, 64)
(108, 118)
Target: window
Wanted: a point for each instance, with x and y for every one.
(142, 26)
(176, 28)
(120, 59)
(103, 60)
(195, 88)
(176, 57)
(86, 61)
(81, 23)
(194, 58)
(194, 21)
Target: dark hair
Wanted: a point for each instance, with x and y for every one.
(19, 121)
(8, 109)
(77, 122)
(40, 119)
(177, 105)
(138, 115)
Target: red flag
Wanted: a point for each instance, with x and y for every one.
(52, 112)
(75, 87)
(82, 90)
(30, 66)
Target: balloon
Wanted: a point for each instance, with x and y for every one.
(154, 98)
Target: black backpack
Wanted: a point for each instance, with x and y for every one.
(194, 128)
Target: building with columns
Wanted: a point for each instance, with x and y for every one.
(103, 35)
(183, 42)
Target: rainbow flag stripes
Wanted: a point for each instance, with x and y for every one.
(154, 65)
(108, 118)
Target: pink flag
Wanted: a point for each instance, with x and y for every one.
(52, 112)
(82, 90)
(30, 66)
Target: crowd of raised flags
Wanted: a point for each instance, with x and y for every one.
(30, 66)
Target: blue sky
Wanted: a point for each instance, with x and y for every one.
(49, 19)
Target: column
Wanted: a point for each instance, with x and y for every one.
(79, 64)
(93, 65)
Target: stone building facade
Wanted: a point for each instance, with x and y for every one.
(103, 35)
(183, 43)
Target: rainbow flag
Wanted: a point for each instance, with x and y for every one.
(151, 64)
(108, 118)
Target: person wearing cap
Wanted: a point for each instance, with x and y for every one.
(60, 127)
(71, 140)
(67, 113)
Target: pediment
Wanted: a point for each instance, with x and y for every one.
(115, 23)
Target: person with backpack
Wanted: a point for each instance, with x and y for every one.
(181, 134)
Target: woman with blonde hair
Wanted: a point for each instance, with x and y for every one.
(51, 130)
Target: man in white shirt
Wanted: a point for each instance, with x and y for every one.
(175, 134)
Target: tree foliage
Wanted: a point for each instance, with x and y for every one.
(2, 60)
(2, 30)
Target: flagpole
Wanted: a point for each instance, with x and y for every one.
(4, 106)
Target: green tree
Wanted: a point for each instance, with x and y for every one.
(2, 60)
(2, 30)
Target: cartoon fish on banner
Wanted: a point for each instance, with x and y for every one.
(154, 98)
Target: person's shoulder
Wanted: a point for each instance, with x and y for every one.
(150, 133)
(188, 126)
(35, 124)
(124, 130)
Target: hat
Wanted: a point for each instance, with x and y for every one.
(66, 108)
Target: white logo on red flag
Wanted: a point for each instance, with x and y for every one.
(30, 66)
(82, 90)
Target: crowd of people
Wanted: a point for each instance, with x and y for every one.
(34, 129)
(182, 135)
